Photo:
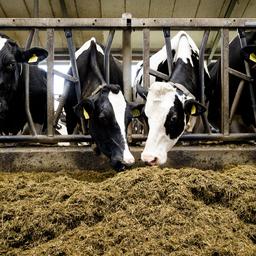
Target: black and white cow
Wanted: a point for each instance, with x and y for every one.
(243, 120)
(104, 106)
(170, 105)
(12, 86)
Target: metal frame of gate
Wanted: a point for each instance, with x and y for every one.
(127, 24)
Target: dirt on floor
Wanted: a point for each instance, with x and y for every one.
(142, 211)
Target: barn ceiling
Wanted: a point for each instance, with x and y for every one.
(114, 9)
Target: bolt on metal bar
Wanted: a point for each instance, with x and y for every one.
(106, 55)
(50, 99)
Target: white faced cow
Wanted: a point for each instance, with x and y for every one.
(104, 106)
(169, 105)
(12, 86)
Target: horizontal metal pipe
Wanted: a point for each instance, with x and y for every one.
(135, 138)
(137, 23)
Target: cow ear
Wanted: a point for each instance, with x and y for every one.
(193, 108)
(32, 56)
(84, 108)
(249, 53)
(136, 108)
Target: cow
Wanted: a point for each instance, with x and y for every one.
(12, 86)
(243, 120)
(170, 105)
(102, 105)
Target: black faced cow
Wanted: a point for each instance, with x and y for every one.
(103, 105)
(170, 105)
(12, 86)
(243, 120)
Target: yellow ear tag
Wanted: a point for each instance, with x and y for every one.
(252, 57)
(33, 59)
(193, 110)
(135, 112)
(86, 115)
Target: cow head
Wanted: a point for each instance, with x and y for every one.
(11, 59)
(109, 115)
(168, 110)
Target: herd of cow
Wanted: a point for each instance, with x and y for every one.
(170, 108)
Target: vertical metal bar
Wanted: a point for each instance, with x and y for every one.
(167, 38)
(236, 100)
(36, 15)
(27, 103)
(146, 64)
(127, 61)
(201, 77)
(50, 98)
(106, 55)
(71, 49)
(225, 81)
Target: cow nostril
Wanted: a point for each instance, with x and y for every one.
(152, 162)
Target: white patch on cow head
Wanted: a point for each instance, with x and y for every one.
(160, 99)
(119, 105)
(2, 42)
(86, 46)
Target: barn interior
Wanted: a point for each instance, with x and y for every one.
(111, 9)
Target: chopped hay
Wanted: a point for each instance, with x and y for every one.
(144, 211)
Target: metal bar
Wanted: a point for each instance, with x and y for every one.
(71, 49)
(225, 81)
(87, 138)
(236, 100)
(137, 23)
(240, 75)
(36, 15)
(201, 77)
(159, 74)
(27, 103)
(106, 55)
(50, 98)
(146, 63)
(65, 76)
(167, 39)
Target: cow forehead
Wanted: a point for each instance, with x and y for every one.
(2, 42)
(160, 99)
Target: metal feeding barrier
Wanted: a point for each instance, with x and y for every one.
(127, 24)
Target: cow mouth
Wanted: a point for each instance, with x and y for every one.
(152, 162)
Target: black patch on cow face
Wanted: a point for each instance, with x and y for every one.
(174, 123)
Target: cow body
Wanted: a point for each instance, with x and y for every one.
(104, 106)
(12, 86)
(169, 105)
(244, 120)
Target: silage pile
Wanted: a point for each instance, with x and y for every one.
(144, 211)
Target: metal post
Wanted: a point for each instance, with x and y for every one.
(27, 105)
(225, 81)
(106, 55)
(50, 98)
(146, 64)
(201, 77)
(36, 15)
(127, 62)
(167, 38)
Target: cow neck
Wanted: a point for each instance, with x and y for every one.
(183, 89)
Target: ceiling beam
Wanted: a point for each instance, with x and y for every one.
(216, 40)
